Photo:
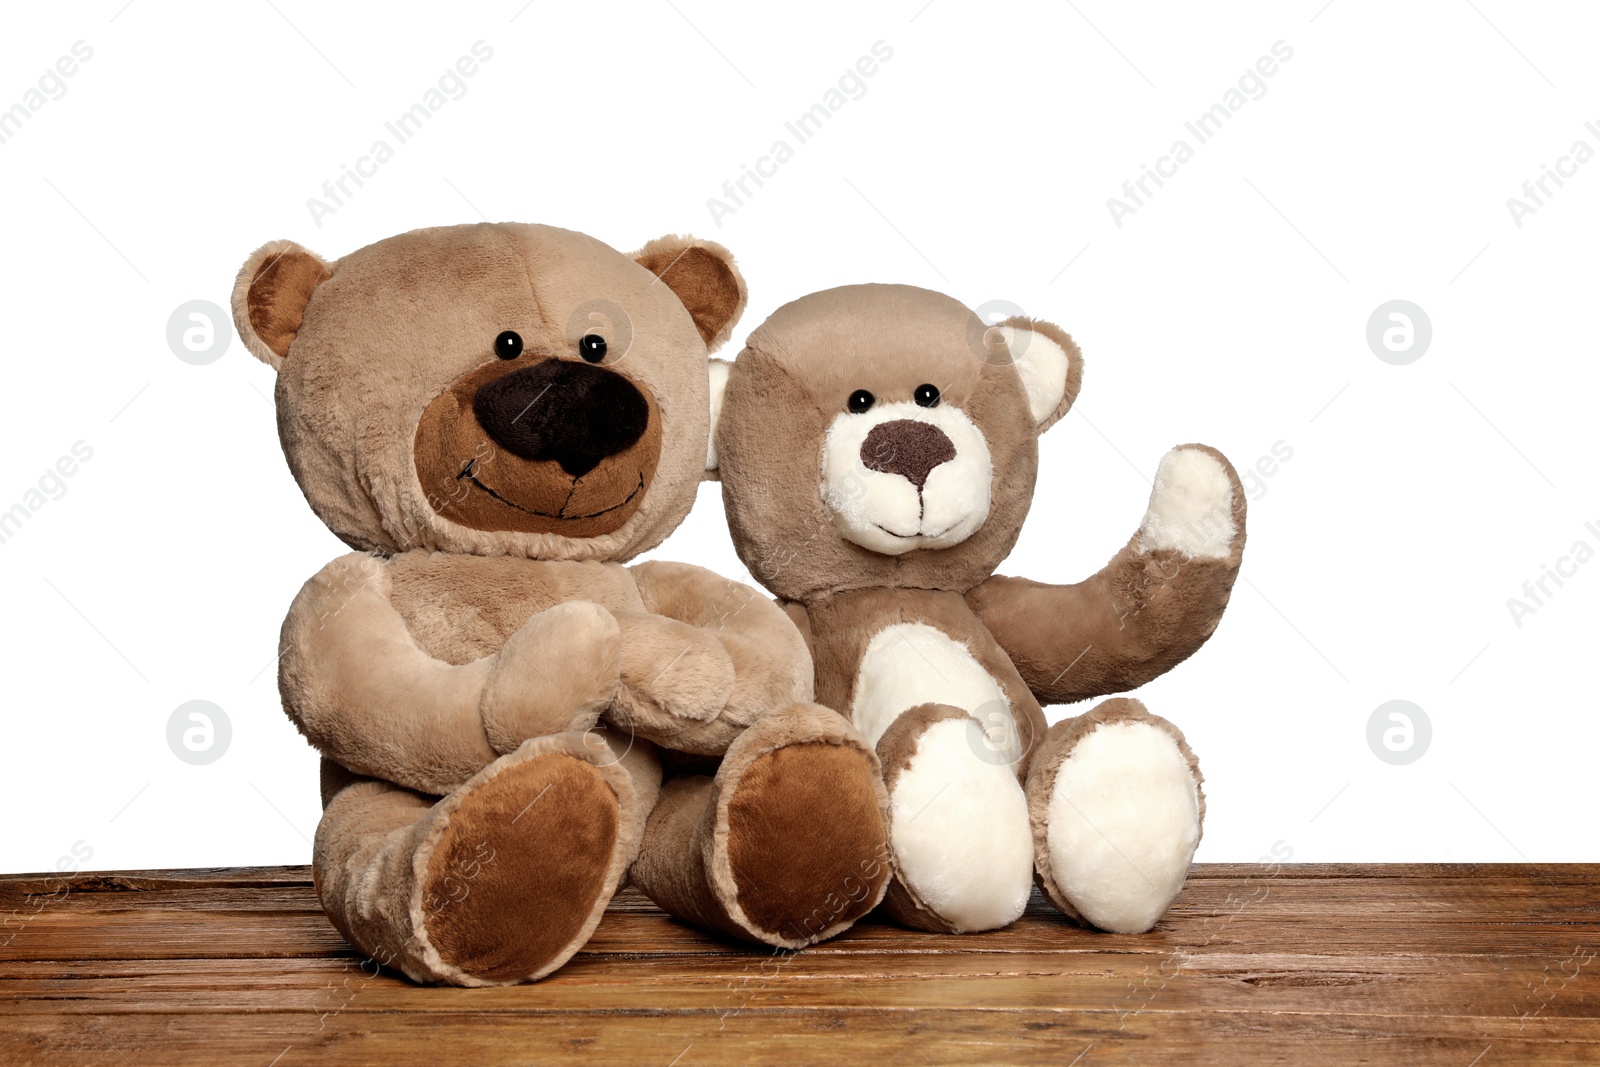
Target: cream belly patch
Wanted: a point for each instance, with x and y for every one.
(912, 663)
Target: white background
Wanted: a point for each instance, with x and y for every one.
(1230, 309)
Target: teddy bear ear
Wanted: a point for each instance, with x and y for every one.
(270, 297)
(703, 275)
(1050, 364)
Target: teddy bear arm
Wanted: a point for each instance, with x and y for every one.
(1139, 617)
(1147, 610)
(363, 692)
(771, 662)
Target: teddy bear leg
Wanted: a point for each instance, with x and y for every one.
(1116, 806)
(787, 845)
(499, 882)
(958, 823)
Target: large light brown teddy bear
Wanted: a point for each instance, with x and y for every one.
(877, 446)
(495, 417)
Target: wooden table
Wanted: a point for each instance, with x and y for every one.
(1464, 965)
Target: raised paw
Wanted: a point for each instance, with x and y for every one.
(958, 824)
(1195, 505)
(1116, 806)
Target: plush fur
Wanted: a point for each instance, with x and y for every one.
(959, 826)
(770, 861)
(491, 689)
(910, 663)
(1122, 857)
(902, 477)
(879, 520)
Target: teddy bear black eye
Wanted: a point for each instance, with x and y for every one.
(508, 345)
(926, 396)
(860, 401)
(592, 347)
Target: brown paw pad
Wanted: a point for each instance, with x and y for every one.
(519, 868)
(807, 841)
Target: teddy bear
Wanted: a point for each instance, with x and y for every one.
(496, 418)
(878, 448)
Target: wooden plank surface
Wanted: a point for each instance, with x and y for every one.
(1464, 965)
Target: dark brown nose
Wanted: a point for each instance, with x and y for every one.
(908, 448)
(558, 409)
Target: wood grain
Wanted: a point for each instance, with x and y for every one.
(1464, 965)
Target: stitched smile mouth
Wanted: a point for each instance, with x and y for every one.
(468, 472)
(909, 537)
